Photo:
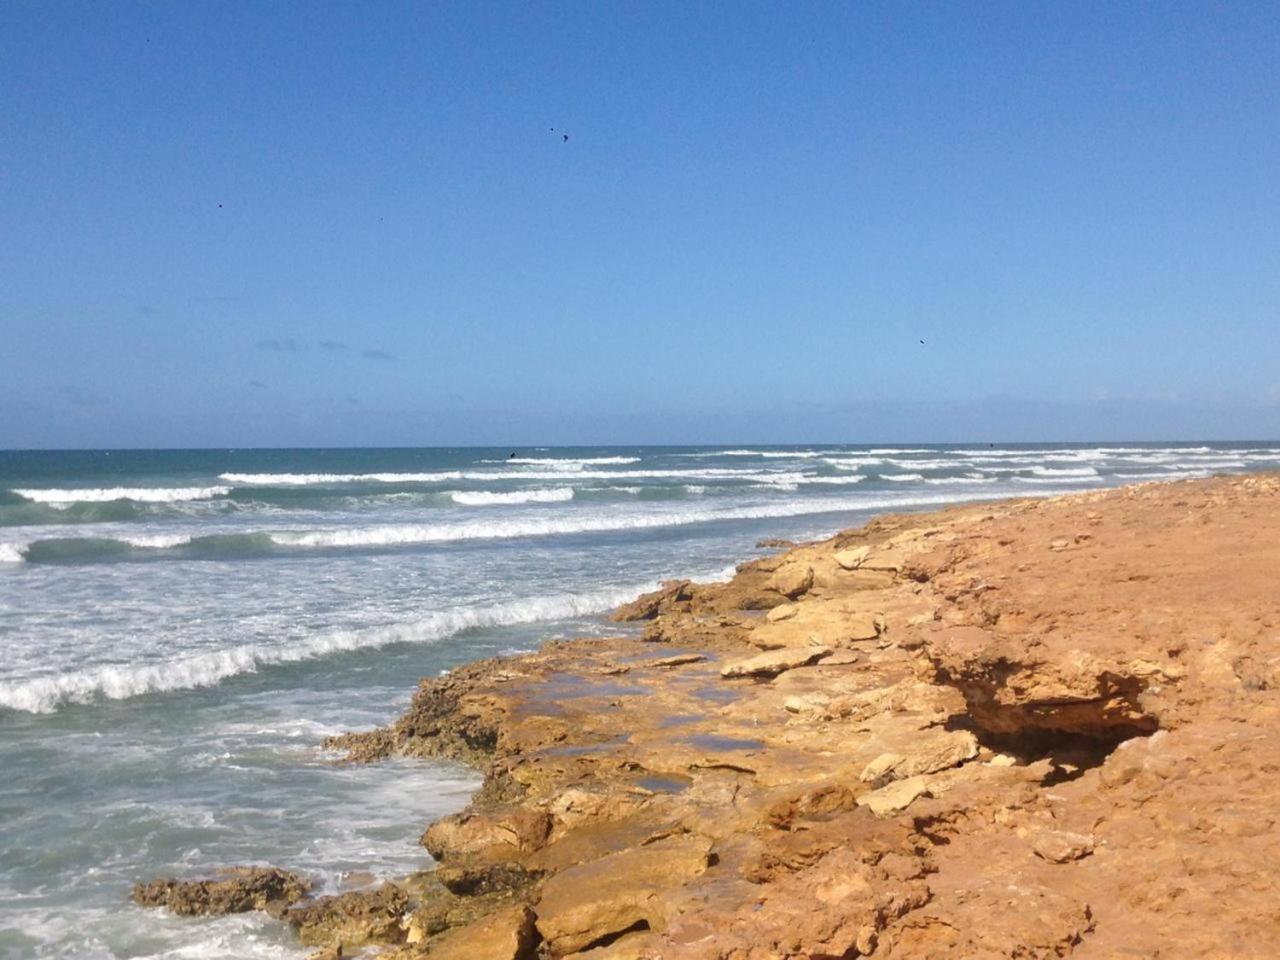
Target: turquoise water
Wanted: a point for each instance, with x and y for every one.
(181, 629)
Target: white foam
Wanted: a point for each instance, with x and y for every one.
(966, 479)
(695, 489)
(140, 494)
(901, 477)
(1070, 479)
(853, 463)
(157, 541)
(12, 552)
(1064, 471)
(1166, 475)
(493, 529)
(308, 479)
(485, 498)
(565, 462)
(121, 681)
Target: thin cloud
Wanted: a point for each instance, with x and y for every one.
(333, 346)
(376, 355)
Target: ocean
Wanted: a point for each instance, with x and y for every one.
(181, 629)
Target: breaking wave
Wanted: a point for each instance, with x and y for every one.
(485, 498)
(121, 681)
(308, 479)
(137, 494)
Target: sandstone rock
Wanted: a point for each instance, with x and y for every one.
(852, 559)
(896, 796)
(1061, 846)
(588, 903)
(883, 562)
(774, 662)
(517, 828)
(863, 627)
(646, 607)
(880, 766)
(792, 580)
(784, 612)
(808, 703)
(351, 919)
(507, 934)
(238, 890)
(678, 660)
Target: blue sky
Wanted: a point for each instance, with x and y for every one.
(325, 224)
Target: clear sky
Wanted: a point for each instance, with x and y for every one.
(330, 224)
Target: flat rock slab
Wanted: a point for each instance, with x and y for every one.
(592, 901)
(774, 662)
(896, 796)
(1061, 846)
(852, 559)
(678, 660)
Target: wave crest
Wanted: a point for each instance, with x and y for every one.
(138, 494)
(485, 498)
(121, 681)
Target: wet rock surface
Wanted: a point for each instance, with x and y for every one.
(1026, 729)
(234, 890)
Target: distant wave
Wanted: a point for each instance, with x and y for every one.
(139, 494)
(120, 681)
(484, 498)
(307, 479)
(901, 477)
(565, 462)
(1064, 471)
(481, 476)
(266, 542)
(971, 478)
(769, 454)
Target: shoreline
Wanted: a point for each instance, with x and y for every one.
(938, 733)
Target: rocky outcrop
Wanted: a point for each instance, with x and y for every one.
(1017, 730)
(235, 890)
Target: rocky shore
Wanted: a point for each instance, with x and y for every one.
(1037, 728)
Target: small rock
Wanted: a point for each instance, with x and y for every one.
(806, 703)
(678, 660)
(1060, 543)
(239, 890)
(774, 662)
(505, 935)
(1060, 846)
(896, 796)
(351, 919)
(852, 559)
(880, 766)
(792, 580)
(863, 628)
(784, 612)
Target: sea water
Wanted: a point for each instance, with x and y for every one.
(181, 630)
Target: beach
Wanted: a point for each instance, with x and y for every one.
(1026, 728)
